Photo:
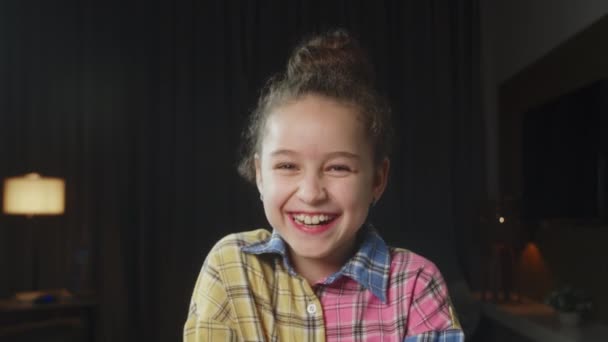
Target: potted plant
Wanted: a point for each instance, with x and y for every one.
(570, 304)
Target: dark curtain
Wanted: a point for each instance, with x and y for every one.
(140, 105)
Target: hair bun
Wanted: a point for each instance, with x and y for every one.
(333, 53)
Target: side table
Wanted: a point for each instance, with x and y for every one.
(67, 319)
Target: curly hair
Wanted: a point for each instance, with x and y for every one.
(332, 65)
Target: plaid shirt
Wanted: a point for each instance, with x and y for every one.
(248, 291)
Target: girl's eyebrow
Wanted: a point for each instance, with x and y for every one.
(344, 154)
(282, 152)
(336, 154)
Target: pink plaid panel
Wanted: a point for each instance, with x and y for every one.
(416, 302)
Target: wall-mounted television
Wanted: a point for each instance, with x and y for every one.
(565, 156)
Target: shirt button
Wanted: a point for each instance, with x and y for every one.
(312, 309)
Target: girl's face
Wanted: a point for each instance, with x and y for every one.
(317, 177)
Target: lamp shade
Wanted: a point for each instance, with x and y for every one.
(33, 194)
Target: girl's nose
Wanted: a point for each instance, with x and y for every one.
(312, 190)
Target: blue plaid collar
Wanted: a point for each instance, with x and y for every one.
(370, 266)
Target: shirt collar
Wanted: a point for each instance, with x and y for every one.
(370, 266)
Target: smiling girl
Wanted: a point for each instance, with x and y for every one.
(318, 146)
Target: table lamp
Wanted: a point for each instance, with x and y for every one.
(33, 195)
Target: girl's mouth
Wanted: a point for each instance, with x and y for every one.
(313, 223)
(313, 220)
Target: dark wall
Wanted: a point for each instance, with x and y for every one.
(569, 249)
(140, 105)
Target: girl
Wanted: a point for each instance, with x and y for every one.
(318, 153)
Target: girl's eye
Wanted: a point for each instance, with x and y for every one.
(339, 168)
(285, 166)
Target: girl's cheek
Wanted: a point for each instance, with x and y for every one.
(283, 185)
(353, 190)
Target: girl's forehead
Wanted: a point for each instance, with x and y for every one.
(315, 109)
(315, 123)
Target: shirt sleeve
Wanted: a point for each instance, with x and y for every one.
(452, 335)
(431, 315)
(209, 315)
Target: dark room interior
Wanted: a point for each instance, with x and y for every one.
(499, 173)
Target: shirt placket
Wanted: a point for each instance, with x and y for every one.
(314, 312)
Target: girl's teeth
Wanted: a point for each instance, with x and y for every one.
(311, 220)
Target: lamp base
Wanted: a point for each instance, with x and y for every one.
(42, 296)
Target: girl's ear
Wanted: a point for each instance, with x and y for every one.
(381, 179)
(258, 172)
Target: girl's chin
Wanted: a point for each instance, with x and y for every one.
(312, 252)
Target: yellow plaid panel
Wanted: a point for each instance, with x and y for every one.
(246, 297)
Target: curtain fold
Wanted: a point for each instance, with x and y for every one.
(140, 105)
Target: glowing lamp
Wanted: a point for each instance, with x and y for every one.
(33, 194)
